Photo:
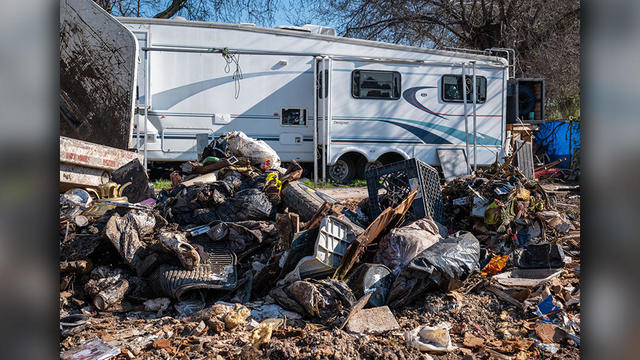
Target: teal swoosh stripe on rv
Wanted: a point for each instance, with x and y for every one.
(483, 139)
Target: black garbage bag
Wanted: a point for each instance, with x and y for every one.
(183, 202)
(542, 256)
(216, 148)
(445, 265)
(203, 216)
(249, 204)
(327, 301)
(133, 172)
(244, 234)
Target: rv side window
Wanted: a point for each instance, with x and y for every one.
(367, 84)
(452, 88)
(294, 117)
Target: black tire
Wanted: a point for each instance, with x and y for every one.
(342, 171)
(371, 165)
(301, 200)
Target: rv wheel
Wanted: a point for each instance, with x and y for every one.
(372, 165)
(342, 171)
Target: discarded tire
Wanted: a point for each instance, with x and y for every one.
(301, 199)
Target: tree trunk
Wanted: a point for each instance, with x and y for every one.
(174, 7)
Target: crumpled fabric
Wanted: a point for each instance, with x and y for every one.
(249, 204)
(328, 301)
(244, 233)
(124, 233)
(445, 265)
(401, 245)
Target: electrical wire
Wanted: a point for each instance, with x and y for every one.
(233, 58)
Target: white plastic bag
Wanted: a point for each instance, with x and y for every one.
(257, 151)
(433, 339)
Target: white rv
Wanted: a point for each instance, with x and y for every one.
(374, 102)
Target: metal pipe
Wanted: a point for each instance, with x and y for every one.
(147, 103)
(329, 107)
(510, 53)
(324, 122)
(475, 130)
(466, 120)
(315, 122)
(336, 57)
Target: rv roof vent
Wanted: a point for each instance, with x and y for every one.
(318, 29)
(294, 28)
(179, 18)
(248, 24)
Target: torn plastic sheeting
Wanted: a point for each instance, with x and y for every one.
(432, 339)
(546, 306)
(266, 311)
(444, 265)
(73, 203)
(189, 307)
(260, 154)
(262, 333)
(327, 300)
(495, 265)
(401, 245)
(249, 204)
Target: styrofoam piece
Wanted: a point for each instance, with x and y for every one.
(526, 277)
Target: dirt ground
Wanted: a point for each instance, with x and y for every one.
(482, 324)
(346, 193)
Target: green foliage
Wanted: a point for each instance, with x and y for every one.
(564, 108)
(331, 185)
(161, 184)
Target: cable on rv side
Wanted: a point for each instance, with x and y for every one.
(233, 58)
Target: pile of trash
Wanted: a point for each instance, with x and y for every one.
(240, 260)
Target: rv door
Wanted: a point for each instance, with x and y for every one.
(322, 132)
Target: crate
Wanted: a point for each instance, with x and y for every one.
(388, 185)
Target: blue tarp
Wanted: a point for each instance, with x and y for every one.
(561, 139)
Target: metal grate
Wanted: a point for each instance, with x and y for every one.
(525, 158)
(390, 184)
